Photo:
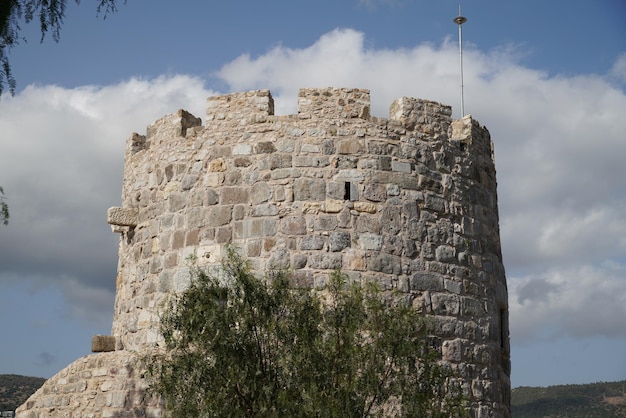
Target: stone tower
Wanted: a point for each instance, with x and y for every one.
(409, 202)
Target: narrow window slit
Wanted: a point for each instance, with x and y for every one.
(504, 332)
(346, 193)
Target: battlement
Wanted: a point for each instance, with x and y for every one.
(331, 103)
(323, 106)
(243, 108)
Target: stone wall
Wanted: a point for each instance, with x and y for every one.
(409, 202)
(103, 385)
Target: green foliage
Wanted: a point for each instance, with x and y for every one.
(240, 346)
(602, 399)
(49, 14)
(4, 209)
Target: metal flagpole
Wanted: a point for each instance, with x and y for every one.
(459, 20)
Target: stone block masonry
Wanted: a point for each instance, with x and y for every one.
(409, 202)
(102, 385)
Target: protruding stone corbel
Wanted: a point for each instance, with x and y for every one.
(117, 216)
(462, 129)
(103, 343)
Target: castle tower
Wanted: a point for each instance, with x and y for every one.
(409, 202)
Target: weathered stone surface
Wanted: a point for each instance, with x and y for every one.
(312, 242)
(298, 261)
(426, 281)
(325, 223)
(366, 223)
(265, 148)
(385, 263)
(401, 166)
(279, 259)
(242, 149)
(293, 225)
(220, 215)
(260, 192)
(393, 244)
(332, 206)
(309, 189)
(375, 192)
(326, 261)
(370, 242)
(233, 195)
(339, 240)
(311, 161)
(445, 253)
(217, 166)
(392, 221)
(354, 260)
(350, 176)
(254, 228)
(365, 207)
(266, 209)
(189, 181)
(446, 305)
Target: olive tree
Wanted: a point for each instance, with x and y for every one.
(235, 345)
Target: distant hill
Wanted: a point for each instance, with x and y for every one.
(14, 390)
(602, 400)
(594, 400)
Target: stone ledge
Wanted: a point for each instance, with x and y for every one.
(97, 385)
(103, 343)
(462, 129)
(123, 216)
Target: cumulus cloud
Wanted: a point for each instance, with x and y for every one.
(66, 149)
(580, 301)
(618, 71)
(340, 58)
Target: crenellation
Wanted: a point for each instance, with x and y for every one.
(331, 104)
(240, 108)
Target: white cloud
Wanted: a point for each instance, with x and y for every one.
(339, 58)
(559, 145)
(582, 301)
(618, 71)
(546, 235)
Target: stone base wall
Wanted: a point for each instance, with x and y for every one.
(95, 386)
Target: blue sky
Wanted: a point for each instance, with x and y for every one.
(547, 78)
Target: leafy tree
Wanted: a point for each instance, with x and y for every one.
(239, 346)
(49, 13)
(4, 208)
